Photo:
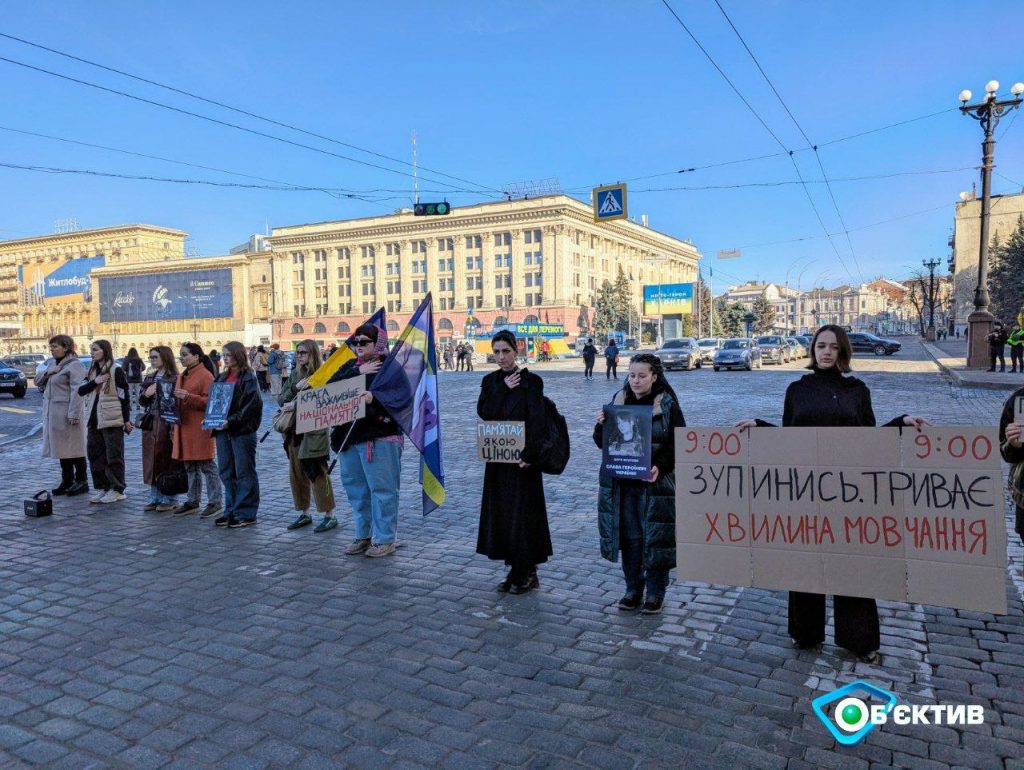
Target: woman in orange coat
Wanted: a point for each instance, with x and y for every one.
(193, 445)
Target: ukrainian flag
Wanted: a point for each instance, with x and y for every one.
(342, 355)
(406, 386)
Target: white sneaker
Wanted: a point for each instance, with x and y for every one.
(98, 497)
(113, 497)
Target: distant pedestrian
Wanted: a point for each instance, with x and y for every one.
(637, 518)
(236, 440)
(133, 366)
(108, 420)
(470, 349)
(996, 344)
(214, 358)
(158, 439)
(611, 359)
(307, 452)
(64, 431)
(276, 362)
(589, 356)
(460, 354)
(258, 361)
(513, 513)
(448, 355)
(193, 445)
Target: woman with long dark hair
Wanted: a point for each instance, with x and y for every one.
(63, 428)
(826, 398)
(108, 410)
(638, 517)
(370, 454)
(133, 367)
(307, 452)
(193, 444)
(513, 514)
(236, 440)
(157, 441)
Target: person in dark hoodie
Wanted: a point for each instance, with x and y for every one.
(638, 517)
(370, 453)
(589, 353)
(825, 398)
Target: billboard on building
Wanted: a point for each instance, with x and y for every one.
(56, 282)
(166, 296)
(668, 299)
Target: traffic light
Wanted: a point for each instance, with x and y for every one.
(432, 209)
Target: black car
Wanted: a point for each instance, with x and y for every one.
(13, 381)
(865, 342)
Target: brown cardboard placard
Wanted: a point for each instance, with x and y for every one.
(877, 512)
(500, 442)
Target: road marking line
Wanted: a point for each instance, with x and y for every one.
(16, 410)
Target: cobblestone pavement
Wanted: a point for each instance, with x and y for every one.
(141, 641)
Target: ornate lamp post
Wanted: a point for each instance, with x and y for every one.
(988, 113)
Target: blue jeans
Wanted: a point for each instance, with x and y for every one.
(236, 462)
(159, 499)
(372, 486)
(631, 543)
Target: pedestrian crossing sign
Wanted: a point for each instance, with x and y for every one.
(609, 202)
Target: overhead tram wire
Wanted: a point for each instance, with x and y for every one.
(817, 155)
(761, 120)
(240, 111)
(216, 121)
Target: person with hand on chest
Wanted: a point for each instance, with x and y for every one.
(828, 398)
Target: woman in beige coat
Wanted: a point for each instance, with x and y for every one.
(63, 426)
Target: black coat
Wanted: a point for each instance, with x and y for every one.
(827, 399)
(513, 515)
(1011, 454)
(377, 423)
(246, 410)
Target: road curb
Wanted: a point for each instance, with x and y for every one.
(959, 380)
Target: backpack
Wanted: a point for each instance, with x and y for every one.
(555, 453)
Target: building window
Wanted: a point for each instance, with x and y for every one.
(297, 328)
(503, 239)
(368, 251)
(445, 244)
(529, 279)
(532, 236)
(343, 327)
(529, 300)
(415, 267)
(419, 247)
(473, 241)
(536, 279)
(393, 250)
(343, 253)
(320, 255)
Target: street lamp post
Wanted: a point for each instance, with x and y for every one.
(930, 265)
(988, 113)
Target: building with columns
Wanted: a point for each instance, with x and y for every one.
(537, 260)
(45, 286)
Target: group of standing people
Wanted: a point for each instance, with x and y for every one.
(998, 339)
(458, 357)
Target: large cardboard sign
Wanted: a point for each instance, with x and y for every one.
(336, 403)
(876, 512)
(626, 450)
(500, 442)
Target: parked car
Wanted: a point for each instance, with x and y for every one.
(741, 352)
(25, 363)
(806, 340)
(630, 343)
(708, 347)
(774, 349)
(680, 353)
(796, 347)
(13, 381)
(865, 342)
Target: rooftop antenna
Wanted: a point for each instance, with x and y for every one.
(415, 177)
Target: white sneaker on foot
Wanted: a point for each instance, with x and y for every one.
(113, 497)
(100, 494)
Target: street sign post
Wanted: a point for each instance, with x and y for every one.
(609, 202)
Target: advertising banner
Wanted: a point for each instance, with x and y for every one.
(627, 442)
(539, 330)
(668, 299)
(166, 296)
(336, 403)
(57, 282)
(500, 442)
(876, 512)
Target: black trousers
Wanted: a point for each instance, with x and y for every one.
(856, 621)
(588, 367)
(72, 470)
(1017, 357)
(612, 369)
(993, 354)
(105, 447)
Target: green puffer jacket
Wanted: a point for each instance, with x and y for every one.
(660, 502)
(314, 444)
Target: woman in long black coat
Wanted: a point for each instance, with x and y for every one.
(825, 398)
(513, 516)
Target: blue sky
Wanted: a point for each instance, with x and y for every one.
(502, 91)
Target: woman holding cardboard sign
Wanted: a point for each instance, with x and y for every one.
(307, 452)
(513, 515)
(638, 516)
(825, 398)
